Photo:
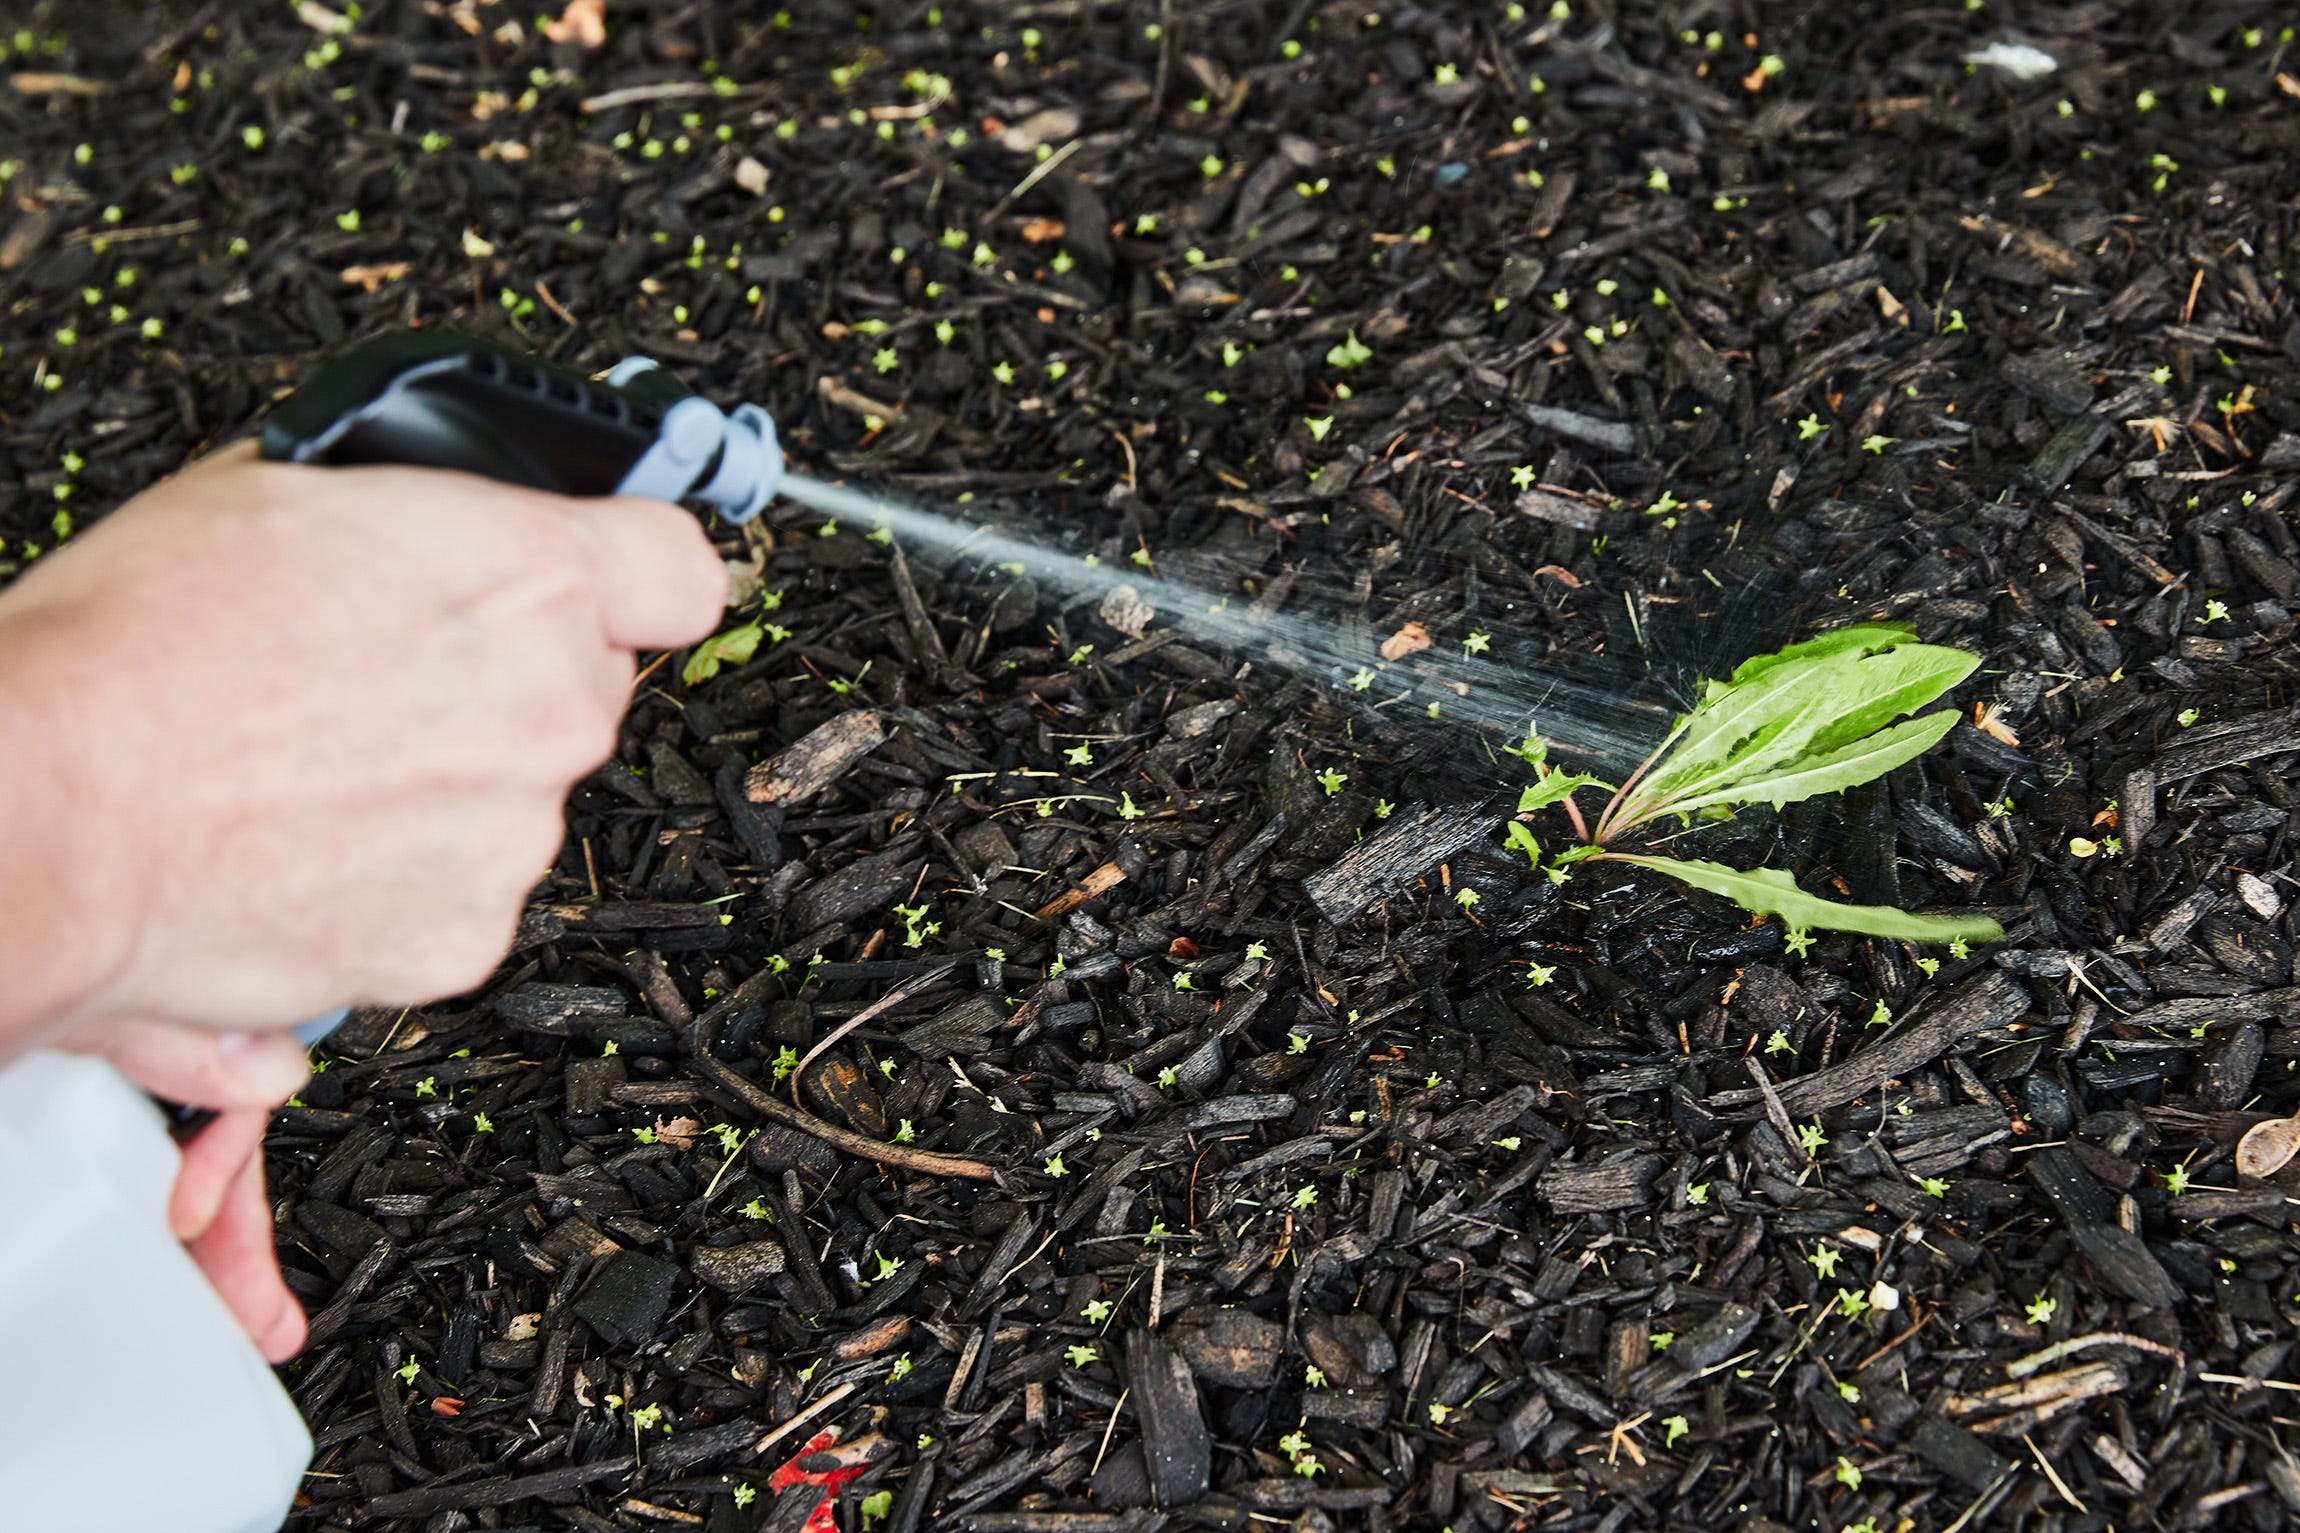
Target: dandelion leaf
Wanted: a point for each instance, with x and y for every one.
(1771, 892)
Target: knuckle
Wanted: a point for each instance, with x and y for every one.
(544, 549)
(462, 956)
(572, 738)
(538, 842)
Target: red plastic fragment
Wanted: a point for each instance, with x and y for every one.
(821, 1519)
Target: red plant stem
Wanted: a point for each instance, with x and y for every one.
(1573, 813)
(1605, 825)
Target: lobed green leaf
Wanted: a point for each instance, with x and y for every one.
(1868, 638)
(1554, 787)
(1771, 892)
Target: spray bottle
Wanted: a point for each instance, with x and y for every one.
(98, 1303)
(134, 1400)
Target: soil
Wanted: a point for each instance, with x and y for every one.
(1246, 1175)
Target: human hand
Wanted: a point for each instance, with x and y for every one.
(301, 737)
(218, 1208)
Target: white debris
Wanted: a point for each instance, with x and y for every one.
(2016, 59)
(2259, 896)
(1125, 610)
(1884, 1296)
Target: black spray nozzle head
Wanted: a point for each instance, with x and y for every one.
(440, 399)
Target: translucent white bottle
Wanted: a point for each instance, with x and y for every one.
(132, 1402)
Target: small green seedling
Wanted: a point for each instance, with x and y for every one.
(1297, 1446)
(1814, 718)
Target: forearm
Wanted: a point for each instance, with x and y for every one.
(64, 930)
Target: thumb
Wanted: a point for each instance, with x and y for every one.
(204, 1069)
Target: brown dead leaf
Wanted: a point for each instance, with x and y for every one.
(583, 23)
(1040, 231)
(1182, 947)
(1408, 640)
(368, 278)
(2267, 1147)
(1561, 574)
(679, 1133)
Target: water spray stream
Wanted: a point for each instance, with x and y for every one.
(1491, 696)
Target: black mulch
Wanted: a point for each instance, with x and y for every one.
(1306, 1208)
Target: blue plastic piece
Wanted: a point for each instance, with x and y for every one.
(739, 451)
(311, 1032)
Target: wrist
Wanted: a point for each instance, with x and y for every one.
(70, 927)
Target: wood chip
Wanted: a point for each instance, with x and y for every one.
(816, 760)
(48, 83)
(1095, 884)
